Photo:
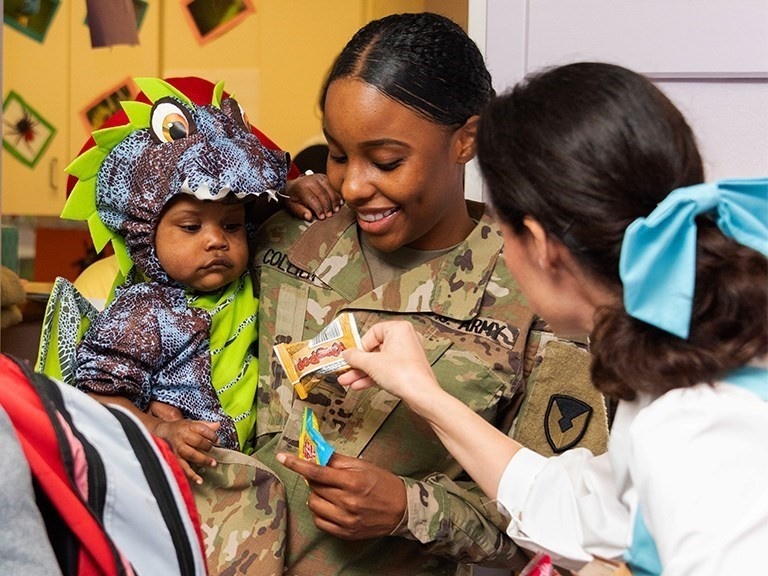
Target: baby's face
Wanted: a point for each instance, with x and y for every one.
(202, 243)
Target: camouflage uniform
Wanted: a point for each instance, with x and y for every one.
(481, 340)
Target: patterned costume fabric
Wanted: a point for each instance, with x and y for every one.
(149, 343)
(485, 348)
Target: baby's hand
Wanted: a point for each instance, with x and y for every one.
(190, 440)
(311, 196)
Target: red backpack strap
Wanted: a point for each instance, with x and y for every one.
(89, 551)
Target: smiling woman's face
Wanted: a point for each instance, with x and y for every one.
(402, 174)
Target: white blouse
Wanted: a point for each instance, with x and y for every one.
(697, 458)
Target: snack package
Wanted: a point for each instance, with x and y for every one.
(307, 362)
(540, 565)
(312, 445)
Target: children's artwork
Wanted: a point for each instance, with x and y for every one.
(141, 10)
(30, 17)
(211, 18)
(26, 134)
(140, 7)
(102, 107)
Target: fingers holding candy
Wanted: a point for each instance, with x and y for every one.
(389, 344)
(351, 498)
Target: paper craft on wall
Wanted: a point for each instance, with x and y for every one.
(30, 17)
(139, 6)
(103, 106)
(26, 134)
(209, 19)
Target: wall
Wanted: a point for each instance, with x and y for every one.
(59, 78)
(274, 62)
(709, 56)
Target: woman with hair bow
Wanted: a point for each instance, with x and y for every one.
(609, 229)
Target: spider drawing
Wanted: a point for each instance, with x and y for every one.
(23, 129)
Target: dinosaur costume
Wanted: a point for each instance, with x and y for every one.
(157, 340)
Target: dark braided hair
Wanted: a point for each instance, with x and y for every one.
(423, 61)
(587, 148)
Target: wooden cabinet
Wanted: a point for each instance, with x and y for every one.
(37, 71)
(58, 78)
(274, 61)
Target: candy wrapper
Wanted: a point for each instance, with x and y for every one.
(308, 362)
(312, 445)
(540, 565)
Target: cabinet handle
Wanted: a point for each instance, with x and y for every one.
(53, 169)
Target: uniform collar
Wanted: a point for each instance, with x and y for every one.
(451, 285)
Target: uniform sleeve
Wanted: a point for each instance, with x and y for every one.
(119, 352)
(559, 496)
(456, 520)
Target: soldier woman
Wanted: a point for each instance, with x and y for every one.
(400, 113)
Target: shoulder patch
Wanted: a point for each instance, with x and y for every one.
(565, 421)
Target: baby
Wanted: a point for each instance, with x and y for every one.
(172, 192)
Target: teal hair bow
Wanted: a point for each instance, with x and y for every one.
(658, 254)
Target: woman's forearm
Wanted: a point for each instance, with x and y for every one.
(482, 450)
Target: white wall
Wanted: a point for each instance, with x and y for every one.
(709, 56)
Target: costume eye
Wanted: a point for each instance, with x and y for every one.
(170, 121)
(232, 108)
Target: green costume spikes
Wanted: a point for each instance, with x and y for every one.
(218, 92)
(138, 114)
(81, 204)
(154, 89)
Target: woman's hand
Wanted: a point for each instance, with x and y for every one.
(311, 196)
(394, 360)
(351, 498)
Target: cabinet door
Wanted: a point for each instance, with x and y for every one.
(59, 78)
(38, 73)
(709, 56)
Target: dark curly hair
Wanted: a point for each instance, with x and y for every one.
(423, 61)
(587, 148)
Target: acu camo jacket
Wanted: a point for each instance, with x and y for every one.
(484, 346)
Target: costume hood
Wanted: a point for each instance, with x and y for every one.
(170, 146)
